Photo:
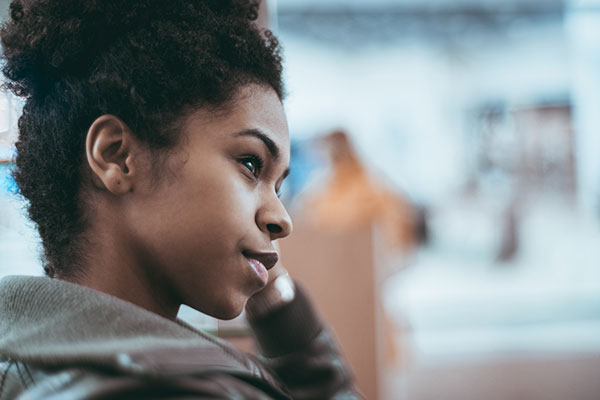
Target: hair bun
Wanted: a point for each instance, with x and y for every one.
(44, 41)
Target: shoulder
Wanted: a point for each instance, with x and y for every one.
(217, 382)
(21, 379)
(17, 377)
(11, 383)
(100, 386)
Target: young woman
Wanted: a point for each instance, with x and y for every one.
(151, 148)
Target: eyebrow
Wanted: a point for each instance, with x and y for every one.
(268, 142)
(271, 146)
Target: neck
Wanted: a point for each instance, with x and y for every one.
(113, 267)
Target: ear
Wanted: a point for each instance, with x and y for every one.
(109, 147)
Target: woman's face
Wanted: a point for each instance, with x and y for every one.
(204, 234)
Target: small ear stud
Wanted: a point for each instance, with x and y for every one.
(118, 182)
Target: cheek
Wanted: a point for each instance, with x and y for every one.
(219, 211)
(202, 215)
(229, 218)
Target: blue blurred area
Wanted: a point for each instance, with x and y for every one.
(304, 162)
(7, 183)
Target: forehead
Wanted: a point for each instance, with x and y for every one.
(254, 108)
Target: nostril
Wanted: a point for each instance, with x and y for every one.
(273, 228)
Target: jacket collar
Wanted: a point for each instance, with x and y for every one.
(49, 322)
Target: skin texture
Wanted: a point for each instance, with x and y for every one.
(186, 237)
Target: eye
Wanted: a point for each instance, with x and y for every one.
(254, 164)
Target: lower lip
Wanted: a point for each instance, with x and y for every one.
(259, 269)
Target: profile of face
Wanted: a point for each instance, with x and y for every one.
(202, 233)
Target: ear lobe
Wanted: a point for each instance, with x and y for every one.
(109, 147)
(114, 183)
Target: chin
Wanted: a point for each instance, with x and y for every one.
(225, 311)
(229, 314)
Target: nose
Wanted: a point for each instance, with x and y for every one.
(274, 219)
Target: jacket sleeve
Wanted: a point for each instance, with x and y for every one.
(296, 345)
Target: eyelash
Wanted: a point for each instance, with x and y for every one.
(256, 160)
(258, 166)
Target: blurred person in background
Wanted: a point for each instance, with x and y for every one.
(351, 197)
(151, 148)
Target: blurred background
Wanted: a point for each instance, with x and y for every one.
(445, 191)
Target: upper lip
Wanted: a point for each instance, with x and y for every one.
(267, 258)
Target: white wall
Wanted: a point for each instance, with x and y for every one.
(583, 22)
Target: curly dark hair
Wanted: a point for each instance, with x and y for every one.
(149, 62)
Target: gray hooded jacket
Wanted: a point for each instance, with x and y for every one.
(59, 340)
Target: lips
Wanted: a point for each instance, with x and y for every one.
(259, 269)
(267, 259)
(261, 262)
